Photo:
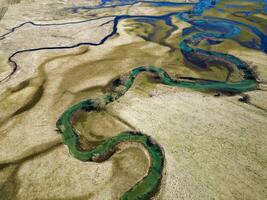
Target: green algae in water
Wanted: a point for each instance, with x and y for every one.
(147, 187)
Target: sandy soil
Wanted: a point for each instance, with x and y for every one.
(215, 146)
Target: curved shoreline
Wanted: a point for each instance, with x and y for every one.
(150, 183)
(148, 186)
(197, 10)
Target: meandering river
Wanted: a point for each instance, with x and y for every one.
(211, 29)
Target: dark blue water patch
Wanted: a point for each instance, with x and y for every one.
(244, 13)
(167, 4)
(200, 57)
(256, 31)
(207, 27)
(256, 4)
(146, 19)
(154, 3)
(214, 42)
(189, 30)
(153, 22)
(214, 25)
(220, 10)
(194, 59)
(121, 3)
(203, 5)
(189, 17)
(249, 43)
(104, 2)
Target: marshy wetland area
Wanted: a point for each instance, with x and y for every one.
(133, 100)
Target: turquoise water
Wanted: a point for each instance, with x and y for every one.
(210, 28)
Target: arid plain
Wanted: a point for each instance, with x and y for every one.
(214, 142)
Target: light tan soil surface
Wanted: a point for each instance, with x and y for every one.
(215, 145)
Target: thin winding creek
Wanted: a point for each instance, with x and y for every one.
(150, 184)
(211, 29)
